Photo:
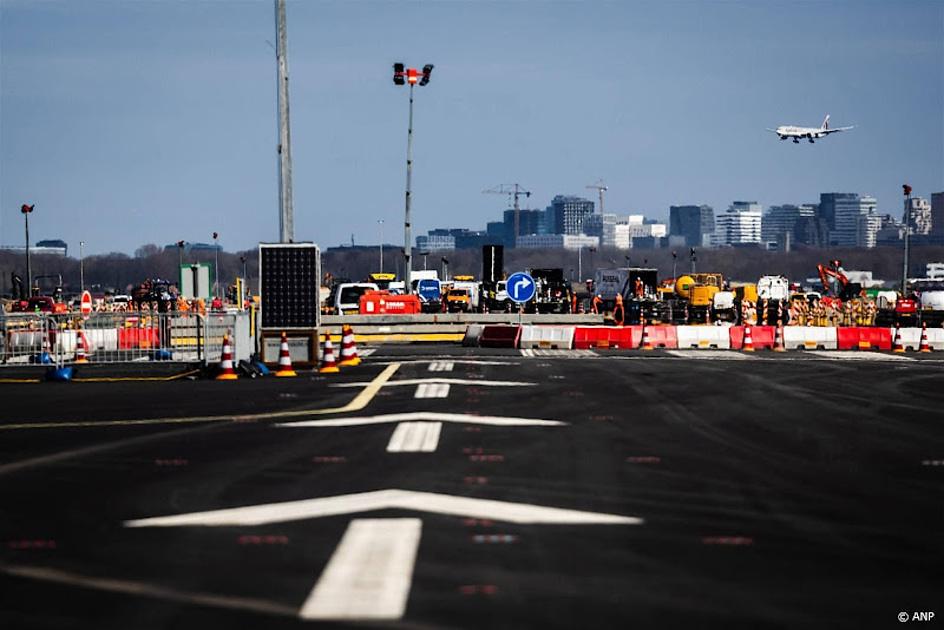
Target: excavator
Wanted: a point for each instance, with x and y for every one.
(836, 284)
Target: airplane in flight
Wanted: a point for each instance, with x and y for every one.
(795, 133)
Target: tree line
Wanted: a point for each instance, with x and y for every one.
(118, 272)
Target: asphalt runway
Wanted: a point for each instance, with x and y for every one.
(491, 488)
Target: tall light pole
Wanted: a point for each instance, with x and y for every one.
(82, 266)
(26, 210)
(906, 189)
(402, 76)
(380, 222)
(424, 255)
(216, 264)
(286, 207)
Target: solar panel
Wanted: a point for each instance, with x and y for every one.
(290, 277)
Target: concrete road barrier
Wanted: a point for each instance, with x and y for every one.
(556, 337)
(809, 338)
(703, 337)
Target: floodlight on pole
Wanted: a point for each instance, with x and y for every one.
(411, 76)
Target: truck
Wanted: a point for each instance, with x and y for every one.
(774, 292)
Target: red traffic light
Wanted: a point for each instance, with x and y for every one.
(25, 209)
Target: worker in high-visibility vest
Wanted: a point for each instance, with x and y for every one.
(596, 304)
(619, 314)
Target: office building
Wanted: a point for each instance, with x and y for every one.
(780, 221)
(937, 214)
(918, 216)
(695, 223)
(436, 241)
(869, 226)
(739, 225)
(846, 208)
(557, 241)
(566, 215)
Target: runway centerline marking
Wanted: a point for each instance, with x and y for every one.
(432, 390)
(415, 437)
(441, 366)
(358, 403)
(370, 573)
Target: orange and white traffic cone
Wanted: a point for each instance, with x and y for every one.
(925, 345)
(896, 344)
(646, 342)
(348, 347)
(778, 340)
(328, 364)
(81, 347)
(285, 359)
(748, 345)
(227, 373)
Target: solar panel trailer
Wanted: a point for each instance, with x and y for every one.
(289, 284)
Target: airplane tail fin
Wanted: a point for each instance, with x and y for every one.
(826, 122)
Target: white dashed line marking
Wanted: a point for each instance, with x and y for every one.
(370, 573)
(441, 366)
(415, 437)
(432, 390)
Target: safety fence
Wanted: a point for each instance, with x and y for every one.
(707, 337)
(58, 339)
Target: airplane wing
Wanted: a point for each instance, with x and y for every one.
(829, 131)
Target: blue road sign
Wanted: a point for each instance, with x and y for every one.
(520, 287)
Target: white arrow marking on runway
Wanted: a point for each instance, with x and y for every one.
(449, 505)
(415, 437)
(441, 366)
(460, 418)
(432, 390)
(370, 573)
(451, 381)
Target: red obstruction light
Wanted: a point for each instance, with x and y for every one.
(25, 209)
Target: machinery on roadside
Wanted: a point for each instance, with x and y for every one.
(553, 294)
(836, 284)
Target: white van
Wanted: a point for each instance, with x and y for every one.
(346, 299)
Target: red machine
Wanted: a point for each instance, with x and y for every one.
(835, 282)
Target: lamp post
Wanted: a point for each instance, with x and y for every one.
(580, 262)
(216, 265)
(402, 76)
(424, 255)
(82, 266)
(242, 259)
(906, 189)
(26, 210)
(380, 222)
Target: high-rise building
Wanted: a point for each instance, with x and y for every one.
(918, 215)
(869, 227)
(566, 215)
(937, 214)
(739, 225)
(811, 231)
(557, 241)
(891, 231)
(846, 209)
(782, 220)
(695, 223)
(828, 202)
(435, 241)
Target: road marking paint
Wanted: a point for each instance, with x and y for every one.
(451, 360)
(357, 403)
(441, 366)
(644, 459)
(559, 354)
(415, 437)
(733, 541)
(933, 462)
(143, 589)
(500, 421)
(856, 355)
(432, 390)
(450, 381)
(370, 573)
(724, 355)
(449, 505)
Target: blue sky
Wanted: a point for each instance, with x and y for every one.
(151, 121)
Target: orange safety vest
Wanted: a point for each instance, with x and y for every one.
(597, 301)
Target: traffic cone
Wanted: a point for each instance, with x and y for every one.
(778, 340)
(328, 365)
(646, 343)
(81, 347)
(285, 360)
(925, 346)
(348, 347)
(897, 345)
(748, 345)
(227, 373)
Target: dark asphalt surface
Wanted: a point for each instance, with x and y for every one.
(778, 491)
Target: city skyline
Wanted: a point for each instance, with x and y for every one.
(128, 123)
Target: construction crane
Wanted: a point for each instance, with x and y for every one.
(514, 191)
(600, 187)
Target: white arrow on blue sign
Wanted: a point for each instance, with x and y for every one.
(520, 287)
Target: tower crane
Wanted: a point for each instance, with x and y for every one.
(601, 188)
(514, 191)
